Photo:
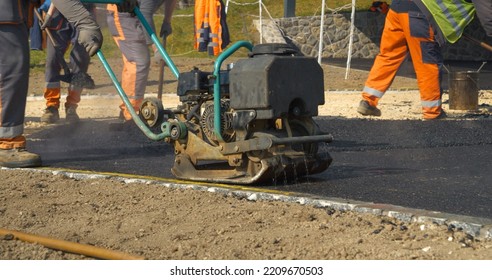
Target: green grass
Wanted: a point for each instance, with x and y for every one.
(239, 20)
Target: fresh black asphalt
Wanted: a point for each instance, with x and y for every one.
(440, 166)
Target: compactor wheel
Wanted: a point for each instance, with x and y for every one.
(152, 111)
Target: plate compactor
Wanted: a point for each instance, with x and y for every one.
(249, 123)
(259, 126)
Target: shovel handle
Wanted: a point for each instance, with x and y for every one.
(480, 43)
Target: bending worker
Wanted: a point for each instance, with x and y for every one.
(64, 35)
(419, 28)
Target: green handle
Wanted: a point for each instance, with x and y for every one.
(217, 65)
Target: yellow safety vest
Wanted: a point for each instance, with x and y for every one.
(452, 16)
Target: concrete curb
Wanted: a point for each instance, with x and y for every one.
(479, 228)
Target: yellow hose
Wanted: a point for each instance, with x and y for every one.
(71, 247)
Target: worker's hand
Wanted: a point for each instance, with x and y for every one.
(166, 29)
(91, 39)
(127, 6)
(46, 21)
(379, 6)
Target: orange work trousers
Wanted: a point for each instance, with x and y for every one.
(407, 33)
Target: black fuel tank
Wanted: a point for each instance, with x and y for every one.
(274, 79)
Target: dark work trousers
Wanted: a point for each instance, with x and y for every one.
(14, 78)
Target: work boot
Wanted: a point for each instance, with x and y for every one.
(18, 158)
(71, 114)
(367, 110)
(50, 115)
(441, 116)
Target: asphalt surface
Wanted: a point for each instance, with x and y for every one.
(440, 166)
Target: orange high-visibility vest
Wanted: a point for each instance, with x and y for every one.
(208, 28)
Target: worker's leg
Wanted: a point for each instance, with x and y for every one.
(52, 77)
(52, 91)
(14, 83)
(392, 53)
(79, 64)
(427, 61)
(135, 73)
(129, 35)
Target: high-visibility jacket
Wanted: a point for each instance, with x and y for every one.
(451, 16)
(211, 33)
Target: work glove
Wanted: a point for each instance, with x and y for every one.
(127, 6)
(91, 39)
(379, 6)
(166, 29)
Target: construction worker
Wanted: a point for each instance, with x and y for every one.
(133, 42)
(14, 69)
(408, 30)
(64, 34)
